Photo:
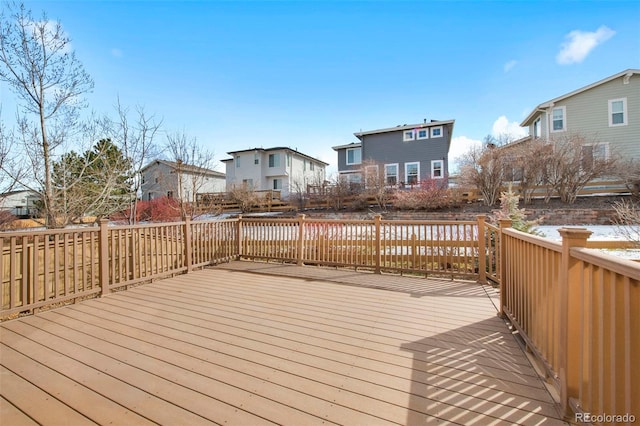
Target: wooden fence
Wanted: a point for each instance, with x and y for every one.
(579, 312)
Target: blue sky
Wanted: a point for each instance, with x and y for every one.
(237, 75)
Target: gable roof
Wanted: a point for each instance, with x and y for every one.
(432, 123)
(350, 145)
(187, 168)
(626, 73)
(277, 148)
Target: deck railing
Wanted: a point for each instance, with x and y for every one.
(579, 312)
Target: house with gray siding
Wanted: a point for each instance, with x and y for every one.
(162, 178)
(607, 111)
(407, 154)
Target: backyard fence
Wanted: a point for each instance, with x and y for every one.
(578, 310)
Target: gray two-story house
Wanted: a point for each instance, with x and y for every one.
(407, 154)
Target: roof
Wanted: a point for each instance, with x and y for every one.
(277, 148)
(626, 73)
(18, 191)
(351, 145)
(402, 127)
(187, 168)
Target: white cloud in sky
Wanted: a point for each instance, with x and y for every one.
(509, 65)
(116, 52)
(578, 44)
(459, 146)
(502, 127)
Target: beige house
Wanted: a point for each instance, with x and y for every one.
(607, 111)
(161, 178)
(282, 169)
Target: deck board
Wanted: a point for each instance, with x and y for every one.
(251, 343)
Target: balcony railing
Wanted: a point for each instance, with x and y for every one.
(577, 310)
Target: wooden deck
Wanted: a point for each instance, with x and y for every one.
(254, 343)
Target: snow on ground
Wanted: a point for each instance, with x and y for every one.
(600, 233)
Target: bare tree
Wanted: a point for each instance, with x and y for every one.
(193, 164)
(484, 169)
(135, 136)
(10, 170)
(38, 64)
(375, 184)
(628, 220)
(628, 171)
(531, 159)
(574, 162)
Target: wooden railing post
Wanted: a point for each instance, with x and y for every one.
(569, 300)
(240, 236)
(188, 247)
(482, 251)
(300, 238)
(378, 220)
(502, 262)
(103, 260)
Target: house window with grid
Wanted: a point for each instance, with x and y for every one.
(256, 158)
(274, 160)
(436, 132)
(408, 135)
(423, 133)
(277, 184)
(391, 174)
(437, 167)
(237, 161)
(558, 116)
(412, 173)
(618, 112)
(354, 156)
(594, 154)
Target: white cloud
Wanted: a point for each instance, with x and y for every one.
(578, 44)
(459, 146)
(503, 128)
(116, 52)
(509, 65)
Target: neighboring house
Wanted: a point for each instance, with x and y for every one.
(406, 154)
(161, 178)
(607, 111)
(22, 203)
(279, 168)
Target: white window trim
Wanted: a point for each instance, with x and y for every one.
(408, 135)
(386, 175)
(406, 174)
(564, 119)
(433, 162)
(426, 133)
(624, 112)
(604, 145)
(434, 128)
(537, 125)
(347, 156)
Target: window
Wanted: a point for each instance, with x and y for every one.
(408, 135)
(423, 133)
(436, 132)
(391, 174)
(277, 184)
(594, 153)
(288, 160)
(618, 112)
(354, 156)
(156, 179)
(437, 169)
(537, 131)
(412, 173)
(311, 166)
(371, 176)
(247, 183)
(169, 194)
(256, 158)
(274, 160)
(558, 119)
(237, 161)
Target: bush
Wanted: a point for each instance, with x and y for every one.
(430, 195)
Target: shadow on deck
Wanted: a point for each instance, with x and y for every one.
(259, 343)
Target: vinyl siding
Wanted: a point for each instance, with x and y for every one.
(588, 114)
